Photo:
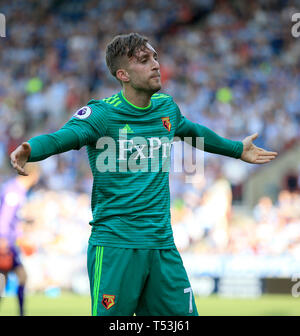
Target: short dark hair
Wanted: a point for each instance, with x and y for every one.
(121, 45)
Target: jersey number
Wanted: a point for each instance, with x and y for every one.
(189, 290)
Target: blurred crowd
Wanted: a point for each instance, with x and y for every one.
(54, 239)
(270, 229)
(232, 66)
(55, 234)
(227, 64)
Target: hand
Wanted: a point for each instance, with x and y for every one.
(19, 157)
(254, 154)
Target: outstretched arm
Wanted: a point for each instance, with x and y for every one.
(86, 126)
(213, 143)
(43, 146)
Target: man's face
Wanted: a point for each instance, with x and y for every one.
(143, 70)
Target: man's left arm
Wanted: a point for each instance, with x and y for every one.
(213, 143)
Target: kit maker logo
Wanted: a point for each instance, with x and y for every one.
(108, 300)
(166, 122)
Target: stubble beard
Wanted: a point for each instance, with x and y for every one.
(148, 89)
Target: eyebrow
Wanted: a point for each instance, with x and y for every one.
(146, 54)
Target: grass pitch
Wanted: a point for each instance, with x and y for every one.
(68, 304)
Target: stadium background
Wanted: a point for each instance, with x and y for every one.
(232, 66)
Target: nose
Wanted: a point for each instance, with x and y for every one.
(155, 64)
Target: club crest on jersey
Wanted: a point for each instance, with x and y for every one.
(166, 122)
(83, 113)
(108, 300)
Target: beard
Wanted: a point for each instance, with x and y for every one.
(150, 87)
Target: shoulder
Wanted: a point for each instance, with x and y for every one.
(164, 100)
(105, 103)
(91, 111)
(112, 101)
(97, 105)
(162, 97)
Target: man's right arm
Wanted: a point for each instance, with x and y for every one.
(77, 133)
(46, 145)
(43, 146)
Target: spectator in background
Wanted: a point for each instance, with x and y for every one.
(12, 197)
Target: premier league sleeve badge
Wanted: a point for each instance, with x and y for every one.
(83, 113)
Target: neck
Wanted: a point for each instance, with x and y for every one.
(137, 98)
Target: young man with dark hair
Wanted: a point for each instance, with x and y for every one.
(133, 264)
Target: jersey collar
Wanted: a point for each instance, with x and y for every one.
(129, 104)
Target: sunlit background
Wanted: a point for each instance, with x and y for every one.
(232, 66)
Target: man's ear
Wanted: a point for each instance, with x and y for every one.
(122, 75)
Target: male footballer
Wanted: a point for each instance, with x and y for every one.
(133, 264)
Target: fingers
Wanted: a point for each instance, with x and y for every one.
(254, 154)
(254, 136)
(18, 168)
(265, 157)
(19, 157)
(265, 152)
(261, 161)
(16, 165)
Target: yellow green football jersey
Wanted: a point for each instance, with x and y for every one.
(129, 154)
